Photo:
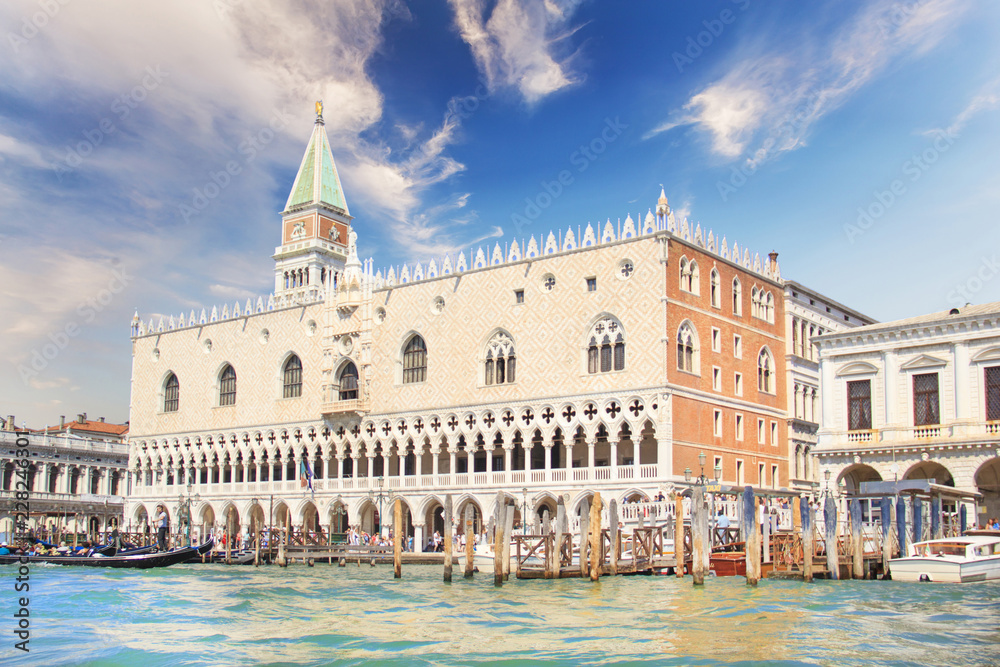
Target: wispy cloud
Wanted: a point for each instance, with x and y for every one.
(987, 99)
(768, 101)
(520, 43)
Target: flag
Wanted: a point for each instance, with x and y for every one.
(306, 475)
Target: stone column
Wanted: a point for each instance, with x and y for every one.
(418, 538)
(891, 378)
(591, 464)
(435, 462)
(507, 456)
(418, 459)
(614, 458)
(489, 458)
(960, 354)
(470, 455)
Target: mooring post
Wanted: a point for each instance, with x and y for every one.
(963, 518)
(595, 538)
(448, 538)
(885, 510)
(937, 532)
(901, 537)
(697, 535)
(557, 547)
(767, 528)
(546, 522)
(918, 519)
(830, 530)
(807, 538)
(256, 551)
(498, 540)
(614, 552)
(749, 527)
(397, 538)
(857, 539)
(508, 529)
(470, 540)
(584, 530)
(679, 535)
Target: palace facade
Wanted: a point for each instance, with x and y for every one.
(599, 358)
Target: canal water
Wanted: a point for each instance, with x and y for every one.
(215, 615)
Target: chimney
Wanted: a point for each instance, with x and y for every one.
(62, 421)
(101, 420)
(772, 259)
(10, 422)
(81, 418)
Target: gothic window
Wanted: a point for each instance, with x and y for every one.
(765, 371)
(348, 389)
(171, 394)
(415, 361)
(859, 408)
(737, 297)
(606, 347)
(926, 410)
(755, 307)
(292, 378)
(715, 288)
(993, 393)
(689, 276)
(687, 349)
(769, 308)
(227, 386)
(500, 362)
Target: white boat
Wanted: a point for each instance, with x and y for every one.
(975, 556)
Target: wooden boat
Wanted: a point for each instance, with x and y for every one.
(137, 561)
(729, 560)
(219, 557)
(975, 556)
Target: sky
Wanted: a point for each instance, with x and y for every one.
(147, 149)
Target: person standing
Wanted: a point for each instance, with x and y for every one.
(161, 528)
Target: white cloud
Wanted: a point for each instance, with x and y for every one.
(12, 148)
(987, 99)
(768, 101)
(519, 43)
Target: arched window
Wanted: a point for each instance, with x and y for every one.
(755, 302)
(292, 378)
(765, 371)
(500, 365)
(606, 346)
(689, 276)
(737, 297)
(716, 288)
(227, 386)
(171, 394)
(769, 308)
(687, 349)
(348, 390)
(415, 361)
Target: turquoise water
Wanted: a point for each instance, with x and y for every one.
(214, 615)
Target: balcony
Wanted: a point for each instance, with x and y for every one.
(861, 436)
(357, 406)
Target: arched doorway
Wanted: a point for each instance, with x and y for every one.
(854, 475)
(434, 519)
(338, 517)
(207, 520)
(931, 470)
(988, 483)
(310, 519)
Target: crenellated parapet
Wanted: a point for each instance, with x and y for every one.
(556, 242)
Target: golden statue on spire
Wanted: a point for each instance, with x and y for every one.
(319, 108)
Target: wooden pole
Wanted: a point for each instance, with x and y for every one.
(595, 538)
(256, 551)
(470, 540)
(448, 538)
(584, 530)
(508, 530)
(679, 535)
(697, 535)
(229, 537)
(766, 529)
(807, 539)
(857, 541)
(886, 512)
(750, 528)
(937, 531)
(560, 523)
(614, 553)
(830, 528)
(901, 525)
(498, 540)
(397, 538)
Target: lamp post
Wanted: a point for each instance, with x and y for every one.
(701, 461)
(826, 486)
(524, 511)
(184, 504)
(380, 496)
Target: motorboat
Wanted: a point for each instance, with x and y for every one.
(974, 556)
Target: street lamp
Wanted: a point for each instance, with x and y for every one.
(184, 504)
(718, 471)
(687, 475)
(524, 511)
(826, 487)
(380, 496)
(701, 462)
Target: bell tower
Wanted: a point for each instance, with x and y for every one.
(315, 225)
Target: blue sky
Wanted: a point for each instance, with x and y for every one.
(858, 139)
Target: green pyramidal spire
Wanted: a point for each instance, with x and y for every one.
(318, 181)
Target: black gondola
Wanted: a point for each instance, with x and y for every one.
(128, 560)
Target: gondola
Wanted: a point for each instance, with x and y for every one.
(137, 561)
